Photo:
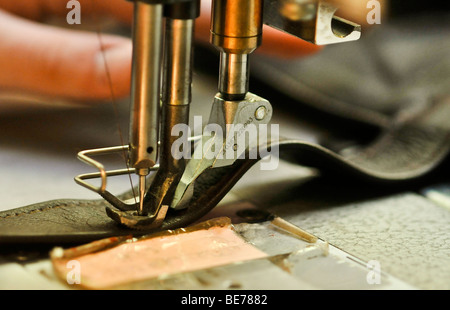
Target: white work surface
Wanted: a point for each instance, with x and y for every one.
(406, 233)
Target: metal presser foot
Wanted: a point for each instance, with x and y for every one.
(148, 209)
(125, 212)
(132, 219)
(236, 31)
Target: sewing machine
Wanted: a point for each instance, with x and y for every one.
(183, 176)
(162, 56)
(359, 235)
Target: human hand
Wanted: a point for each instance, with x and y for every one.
(68, 63)
(43, 60)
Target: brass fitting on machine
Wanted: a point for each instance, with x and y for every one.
(236, 31)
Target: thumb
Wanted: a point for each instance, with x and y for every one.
(49, 61)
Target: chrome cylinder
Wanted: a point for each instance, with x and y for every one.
(236, 31)
(145, 85)
(178, 61)
(177, 80)
(233, 75)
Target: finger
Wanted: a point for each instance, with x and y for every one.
(62, 63)
(39, 10)
(275, 42)
(283, 45)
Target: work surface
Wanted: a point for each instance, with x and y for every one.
(403, 232)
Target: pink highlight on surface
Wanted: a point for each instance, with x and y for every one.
(169, 254)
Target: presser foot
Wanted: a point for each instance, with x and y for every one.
(125, 212)
(132, 219)
(234, 127)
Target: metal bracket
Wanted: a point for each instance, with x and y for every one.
(311, 20)
(223, 140)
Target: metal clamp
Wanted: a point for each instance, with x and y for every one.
(311, 20)
(222, 147)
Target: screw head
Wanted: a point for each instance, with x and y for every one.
(260, 113)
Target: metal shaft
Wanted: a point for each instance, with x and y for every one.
(233, 75)
(178, 61)
(236, 30)
(236, 25)
(145, 91)
(145, 85)
(177, 79)
(177, 88)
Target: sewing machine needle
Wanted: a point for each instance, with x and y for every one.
(142, 187)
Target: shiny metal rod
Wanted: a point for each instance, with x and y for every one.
(177, 79)
(145, 85)
(145, 90)
(233, 75)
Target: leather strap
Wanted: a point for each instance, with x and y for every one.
(408, 151)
